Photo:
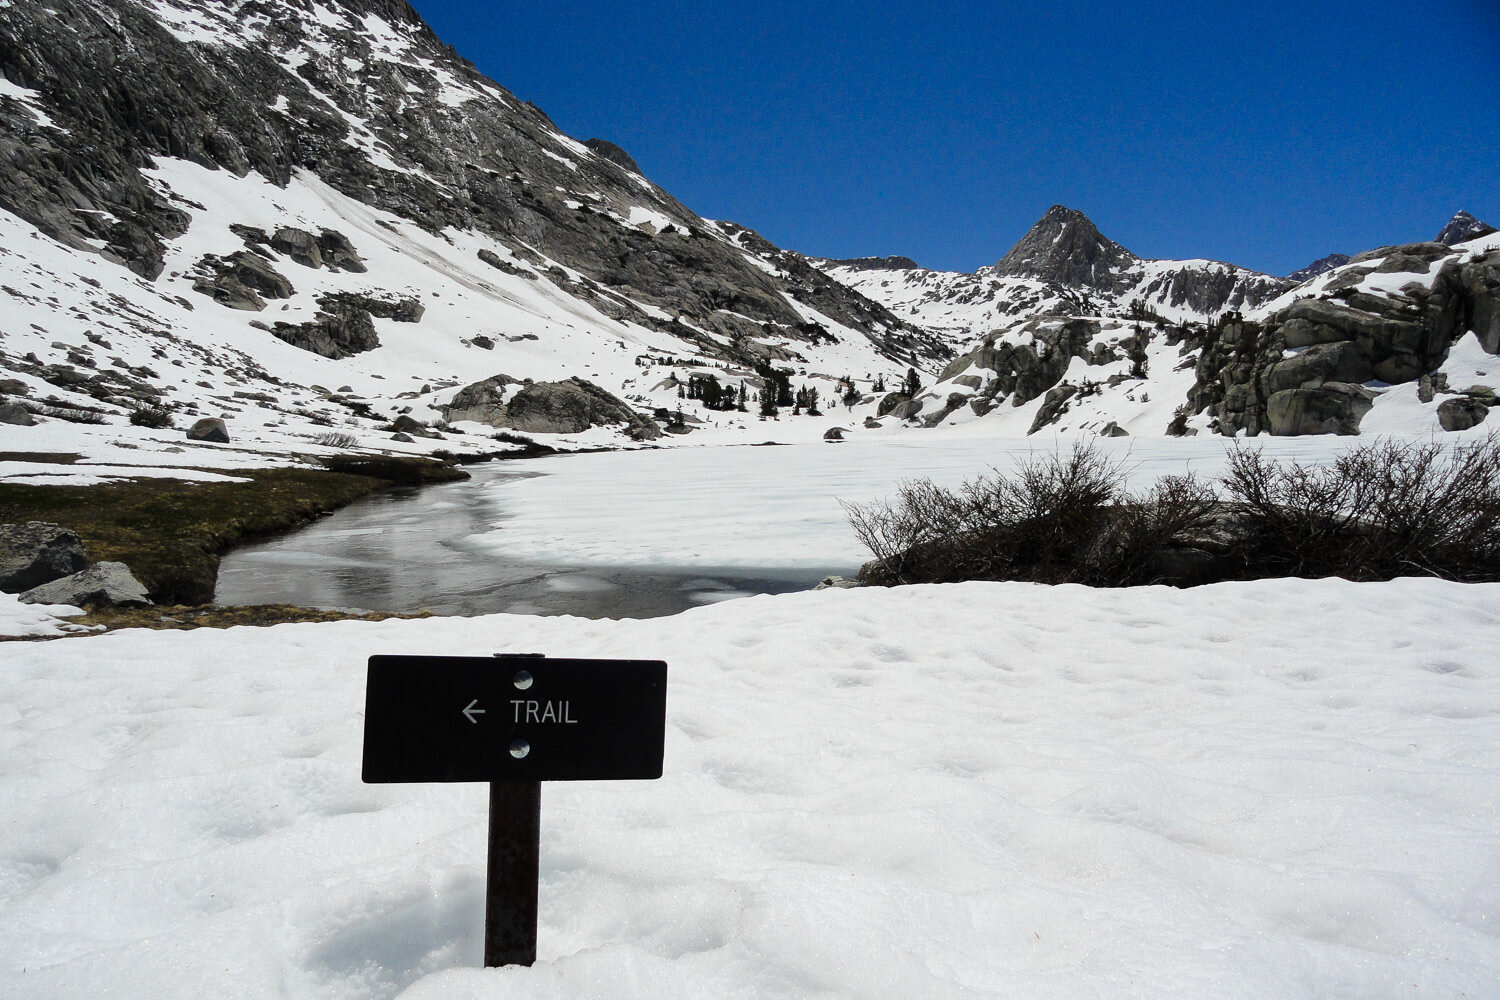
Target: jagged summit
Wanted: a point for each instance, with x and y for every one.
(896, 263)
(613, 153)
(1066, 247)
(1320, 266)
(1461, 228)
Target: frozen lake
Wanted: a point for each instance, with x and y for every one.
(642, 533)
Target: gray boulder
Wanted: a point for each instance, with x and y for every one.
(338, 253)
(1462, 412)
(298, 244)
(105, 583)
(243, 280)
(482, 401)
(566, 407)
(37, 552)
(335, 332)
(15, 413)
(209, 429)
(1331, 408)
(1113, 430)
(833, 434)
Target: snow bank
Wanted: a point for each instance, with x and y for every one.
(1268, 790)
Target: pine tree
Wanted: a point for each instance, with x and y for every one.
(913, 383)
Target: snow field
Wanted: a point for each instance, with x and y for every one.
(1267, 790)
(778, 508)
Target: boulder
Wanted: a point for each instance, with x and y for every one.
(298, 244)
(15, 413)
(405, 424)
(1331, 408)
(573, 406)
(337, 333)
(482, 401)
(1113, 430)
(338, 253)
(209, 429)
(872, 423)
(243, 280)
(104, 583)
(37, 552)
(1462, 412)
(833, 434)
(889, 402)
(567, 407)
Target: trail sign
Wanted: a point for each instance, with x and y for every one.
(514, 720)
(477, 718)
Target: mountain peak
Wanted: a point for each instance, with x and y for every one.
(1462, 227)
(1066, 247)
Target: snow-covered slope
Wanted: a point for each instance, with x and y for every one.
(1267, 790)
(321, 208)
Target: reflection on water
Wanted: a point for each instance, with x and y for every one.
(411, 550)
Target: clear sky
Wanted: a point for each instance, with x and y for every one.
(1263, 134)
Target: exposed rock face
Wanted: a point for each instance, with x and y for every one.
(102, 584)
(209, 429)
(1462, 228)
(1330, 408)
(37, 552)
(613, 153)
(243, 280)
(1348, 337)
(878, 263)
(568, 407)
(1320, 266)
(345, 324)
(124, 82)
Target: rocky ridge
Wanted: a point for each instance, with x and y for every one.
(244, 157)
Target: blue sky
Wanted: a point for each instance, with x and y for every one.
(1263, 134)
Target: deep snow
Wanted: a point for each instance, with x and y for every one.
(1269, 790)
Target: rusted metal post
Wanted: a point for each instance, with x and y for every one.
(511, 879)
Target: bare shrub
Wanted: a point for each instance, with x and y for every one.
(1379, 511)
(156, 417)
(71, 414)
(1055, 519)
(337, 439)
(1382, 510)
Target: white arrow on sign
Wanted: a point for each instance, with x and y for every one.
(471, 711)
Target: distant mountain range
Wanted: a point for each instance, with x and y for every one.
(226, 207)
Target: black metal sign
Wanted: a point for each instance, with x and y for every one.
(514, 720)
(474, 718)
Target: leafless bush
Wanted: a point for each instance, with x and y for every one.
(72, 414)
(1382, 510)
(337, 439)
(156, 417)
(1055, 519)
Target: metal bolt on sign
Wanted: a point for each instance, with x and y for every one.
(514, 720)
